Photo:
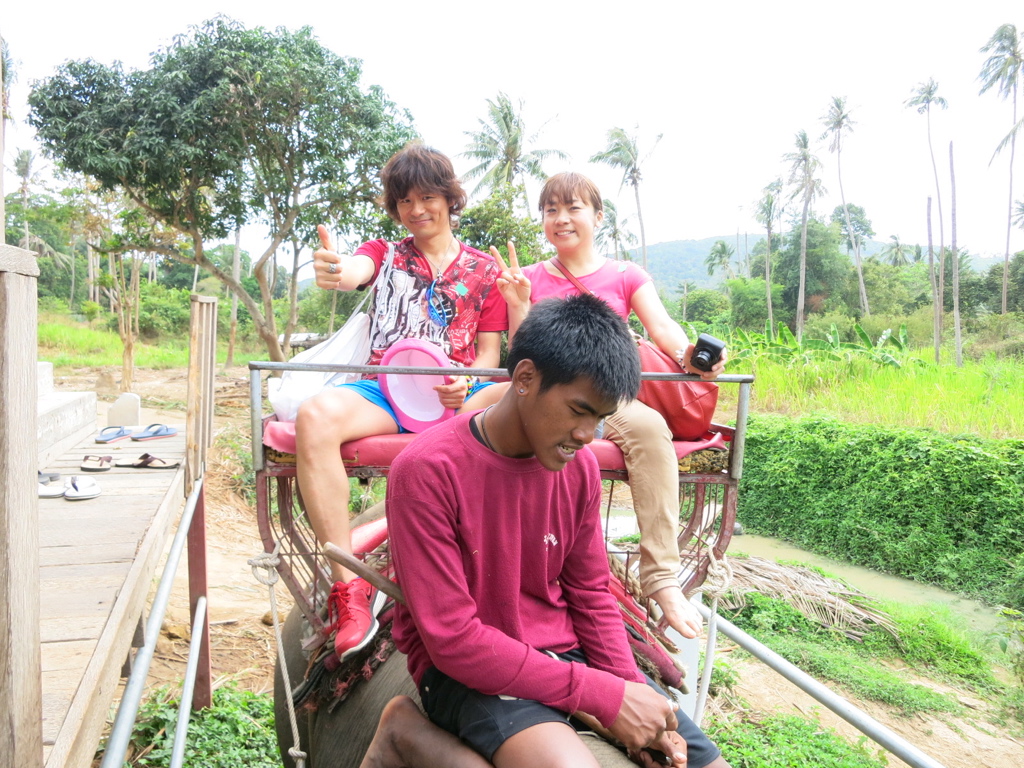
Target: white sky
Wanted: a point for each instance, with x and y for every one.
(727, 84)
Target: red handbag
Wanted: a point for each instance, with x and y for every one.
(688, 406)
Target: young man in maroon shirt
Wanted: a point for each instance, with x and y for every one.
(495, 531)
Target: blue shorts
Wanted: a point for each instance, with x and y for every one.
(485, 722)
(370, 390)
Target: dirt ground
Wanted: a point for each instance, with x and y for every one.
(242, 638)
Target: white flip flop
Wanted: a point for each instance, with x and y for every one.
(79, 488)
(50, 491)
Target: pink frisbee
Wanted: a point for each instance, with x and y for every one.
(412, 395)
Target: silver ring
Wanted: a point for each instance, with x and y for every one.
(332, 268)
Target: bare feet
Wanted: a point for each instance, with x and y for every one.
(406, 739)
(678, 612)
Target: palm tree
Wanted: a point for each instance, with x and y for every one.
(767, 211)
(28, 176)
(923, 98)
(803, 168)
(614, 231)
(837, 120)
(622, 152)
(499, 147)
(720, 258)
(1002, 70)
(6, 78)
(898, 253)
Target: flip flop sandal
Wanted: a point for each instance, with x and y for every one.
(80, 488)
(148, 461)
(97, 463)
(48, 477)
(155, 432)
(113, 434)
(50, 491)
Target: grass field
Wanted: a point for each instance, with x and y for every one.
(984, 398)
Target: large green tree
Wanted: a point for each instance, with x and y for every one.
(1002, 70)
(837, 122)
(500, 149)
(623, 152)
(815, 254)
(228, 125)
(494, 221)
(803, 170)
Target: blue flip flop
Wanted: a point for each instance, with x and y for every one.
(155, 432)
(113, 434)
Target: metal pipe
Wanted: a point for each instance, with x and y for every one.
(184, 710)
(739, 438)
(863, 722)
(256, 416)
(728, 378)
(128, 709)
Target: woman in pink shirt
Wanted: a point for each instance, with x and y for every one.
(572, 209)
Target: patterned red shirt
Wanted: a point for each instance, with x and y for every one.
(466, 291)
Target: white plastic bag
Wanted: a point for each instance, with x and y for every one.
(349, 345)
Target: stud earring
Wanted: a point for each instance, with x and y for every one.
(522, 391)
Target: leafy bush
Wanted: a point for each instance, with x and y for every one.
(787, 741)
(237, 730)
(947, 510)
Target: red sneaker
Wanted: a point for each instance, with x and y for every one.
(353, 609)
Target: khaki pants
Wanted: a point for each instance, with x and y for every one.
(645, 442)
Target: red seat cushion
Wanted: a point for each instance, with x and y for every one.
(380, 450)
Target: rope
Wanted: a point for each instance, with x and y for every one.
(264, 570)
(716, 584)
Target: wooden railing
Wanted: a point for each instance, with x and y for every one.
(21, 709)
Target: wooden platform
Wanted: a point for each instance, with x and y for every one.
(97, 562)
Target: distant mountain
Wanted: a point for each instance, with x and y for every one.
(672, 262)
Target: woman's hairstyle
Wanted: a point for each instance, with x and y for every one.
(563, 187)
(421, 167)
(578, 336)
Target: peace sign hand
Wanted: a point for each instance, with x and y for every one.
(512, 283)
(326, 262)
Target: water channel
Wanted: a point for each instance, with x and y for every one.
(978, 617)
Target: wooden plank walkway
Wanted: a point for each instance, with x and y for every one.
(97, 562)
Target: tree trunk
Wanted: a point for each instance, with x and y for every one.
(801, 293)
(640, 218)
(864, 307)
(936, 312)
(236, 269)
(957, 339)
(1009, 211)
(938, 202)
(71, 296)
(768, 284)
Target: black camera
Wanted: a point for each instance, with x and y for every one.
(706, 352)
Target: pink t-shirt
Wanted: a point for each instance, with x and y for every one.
(501, 559)
(615, 282)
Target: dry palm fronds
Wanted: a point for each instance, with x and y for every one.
(828, 601)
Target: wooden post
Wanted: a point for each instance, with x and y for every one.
(202, 361)
(21, 708)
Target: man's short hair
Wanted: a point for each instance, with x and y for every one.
(579, 336)
(421, 167)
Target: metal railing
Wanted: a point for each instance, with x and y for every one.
(128, 709)
(863, 722)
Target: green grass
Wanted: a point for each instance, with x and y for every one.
(982, 398)
(787, 741)
(67, 344)
(930, 644)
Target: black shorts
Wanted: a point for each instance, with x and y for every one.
(484, 722)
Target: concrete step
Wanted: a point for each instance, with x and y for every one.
(64, 420)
